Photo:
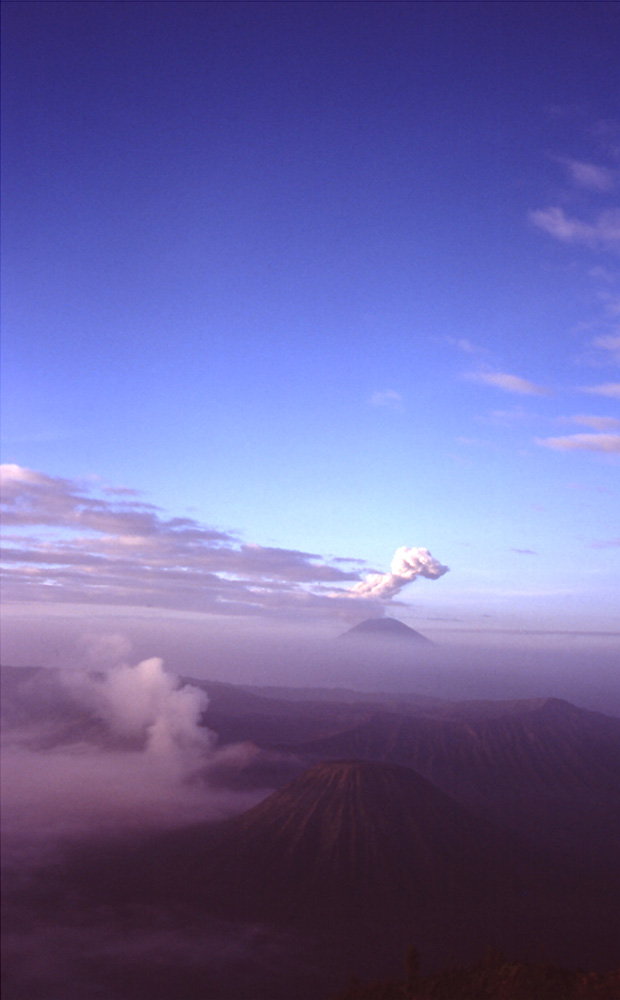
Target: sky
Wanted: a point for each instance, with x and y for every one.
(292, 288)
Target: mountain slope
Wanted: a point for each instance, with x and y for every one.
(545, 768)
(384, 628)
(346, 841)
(363, 829)
(363, 857)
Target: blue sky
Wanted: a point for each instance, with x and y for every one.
(327, 278)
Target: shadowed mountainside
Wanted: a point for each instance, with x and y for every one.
(544, 768)
(366, 857)
(360, 855)
(384, 629)
(541, 768)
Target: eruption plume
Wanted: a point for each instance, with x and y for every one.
(407, 565)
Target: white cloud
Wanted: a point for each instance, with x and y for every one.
(465, 345)
(515, 415)
(509, 383)
(590, 175)
(598, 423)
(609, 443)
(609, 342)
(389, 398)
(611, 389)
(603, 232)
(469, 442)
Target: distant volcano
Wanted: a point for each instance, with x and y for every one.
(385, 628)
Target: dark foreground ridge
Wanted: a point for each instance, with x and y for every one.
(388, 628)
(494, 978)
(364, 856)
(456, 826)
(351, 835)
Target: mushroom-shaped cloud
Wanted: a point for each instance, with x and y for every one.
(407, 565)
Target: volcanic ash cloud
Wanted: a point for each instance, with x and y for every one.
(407, 565)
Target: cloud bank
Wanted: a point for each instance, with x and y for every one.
(97, 550)
(66, 543)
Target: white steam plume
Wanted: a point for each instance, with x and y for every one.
(407, 565)
(144, 702)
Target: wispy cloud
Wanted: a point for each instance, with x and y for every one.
(591, 176)
(465, 345)
(607, 133)
(121, 491)
(611, 300)
(388, 398)
(609, 443)
(610, 389)
(606, 543)
(525, 552)
(515, 415)
(609, 342)
(108, 550)
(603, 232)
(597, 423)
(509, 383)
(602, 274)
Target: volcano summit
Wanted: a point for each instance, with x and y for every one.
(384, 628)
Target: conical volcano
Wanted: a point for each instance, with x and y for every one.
(367, 854)
(384, 628)
(359, 821)
(350, 838)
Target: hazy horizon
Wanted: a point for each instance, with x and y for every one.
(470, 665)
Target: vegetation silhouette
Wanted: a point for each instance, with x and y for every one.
(493, 978)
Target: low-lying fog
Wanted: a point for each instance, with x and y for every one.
(91, 758)
(109, 745)
(583, 668)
